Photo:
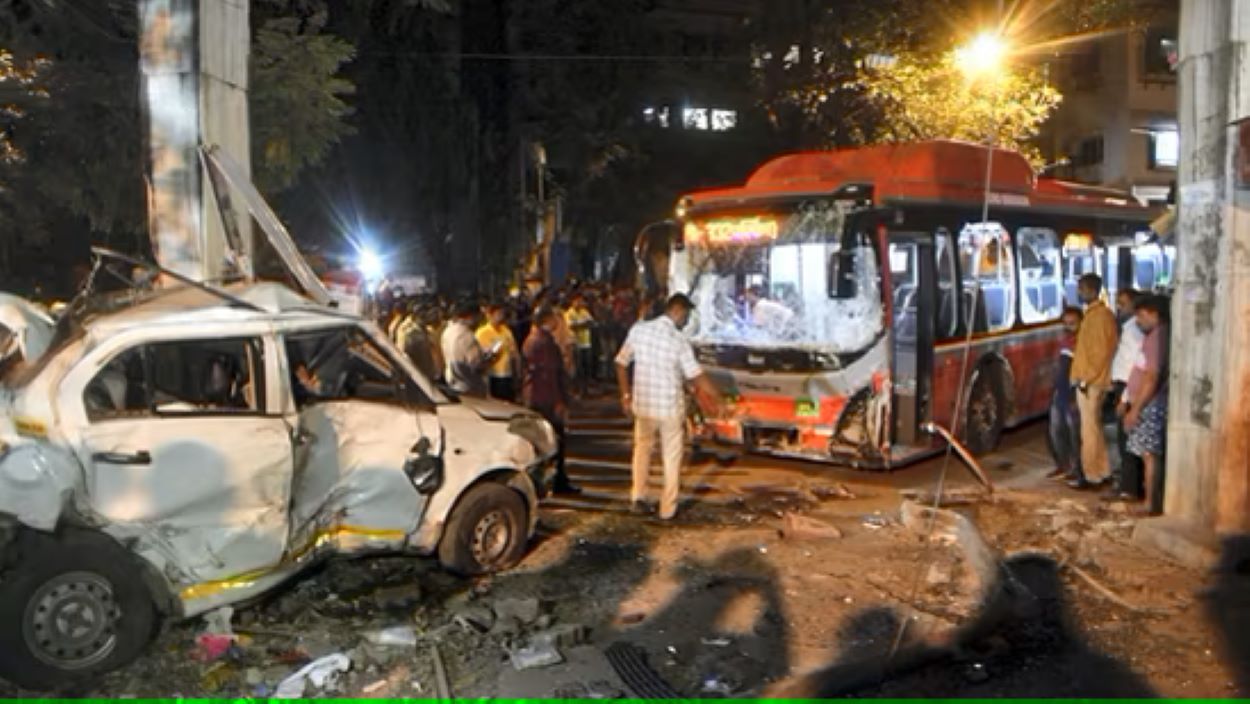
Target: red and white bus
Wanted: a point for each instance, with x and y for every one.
(834, 293)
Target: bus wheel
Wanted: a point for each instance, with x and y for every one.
(985, 412)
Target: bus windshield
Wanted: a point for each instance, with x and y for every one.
(790, 278)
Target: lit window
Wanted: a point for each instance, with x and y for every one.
(724, 120)
(793, 55)
(695, 118)
(655, 116)
(1165, 149)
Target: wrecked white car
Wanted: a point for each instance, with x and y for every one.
(196, 447)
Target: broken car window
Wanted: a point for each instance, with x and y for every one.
(120, 389)
(339, 365)
(179, 378)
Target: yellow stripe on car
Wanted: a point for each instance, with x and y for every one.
(247, 579)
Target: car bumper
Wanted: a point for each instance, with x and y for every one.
(542, 474)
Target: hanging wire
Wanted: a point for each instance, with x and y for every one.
(925, 563)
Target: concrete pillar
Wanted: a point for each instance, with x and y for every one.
(1208, 464)
(193, 58)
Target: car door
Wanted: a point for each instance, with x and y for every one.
(358, 417)
(183, 455)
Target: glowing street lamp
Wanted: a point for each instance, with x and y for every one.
(984, 56)
(370, 265)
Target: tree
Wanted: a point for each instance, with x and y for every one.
(873, 71)
(297, 98)
(922, 99)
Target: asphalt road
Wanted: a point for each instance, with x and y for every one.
(600, 446)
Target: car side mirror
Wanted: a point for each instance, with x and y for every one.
(424, 469)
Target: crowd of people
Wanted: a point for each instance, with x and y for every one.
(539, 350)
(1112, 364)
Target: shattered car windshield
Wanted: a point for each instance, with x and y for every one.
(796, 277)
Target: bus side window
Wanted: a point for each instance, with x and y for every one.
(1041, 275)
(1080, 257)
(947, 308)
(989, 273)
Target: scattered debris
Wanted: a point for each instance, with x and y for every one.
(525, 609)
(598, 689)
(442, 686)
(1107, 593)
(837, 491)
(506, 626)
(393, 636)
(474, 618)
(565, 635)
(539, 653)
(939, 573)
(875, 521)
(322, 673)
(397, 598)
(716, 685)
(210, 647)
(218, 622)
(950, 497)
(632, 618)
(374, 686)
(796, 527)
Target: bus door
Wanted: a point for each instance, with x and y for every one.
(913, 295)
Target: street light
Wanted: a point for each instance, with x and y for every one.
(983, 56)
(370, 265)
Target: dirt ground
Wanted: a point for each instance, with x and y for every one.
(742, 598)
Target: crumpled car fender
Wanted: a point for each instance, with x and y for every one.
(37, 482)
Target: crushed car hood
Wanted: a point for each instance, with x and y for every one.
(493, 410)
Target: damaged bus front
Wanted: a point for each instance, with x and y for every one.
(789, 323)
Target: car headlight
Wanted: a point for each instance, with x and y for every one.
(536, 432)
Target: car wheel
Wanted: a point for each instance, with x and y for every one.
(72, 607)
(985, 412)
(487, 532)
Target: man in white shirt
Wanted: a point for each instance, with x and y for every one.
(768, 315)
(466, 363)
(663, 363)
(1128, 481)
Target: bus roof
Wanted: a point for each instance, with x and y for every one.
(935, 171)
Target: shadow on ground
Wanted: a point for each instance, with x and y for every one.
(1022, 643)
(1227, 605)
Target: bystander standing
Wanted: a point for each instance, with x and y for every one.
(545, 386)
(663, 361)
(1146, 412)
(496, 338)
(1091, 374)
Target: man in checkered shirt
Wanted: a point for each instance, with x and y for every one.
(663, 363)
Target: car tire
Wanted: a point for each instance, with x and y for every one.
(986, 408)
(72, 607)
(488, 531)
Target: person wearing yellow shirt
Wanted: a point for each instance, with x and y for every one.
(495, 336)
(580, 322)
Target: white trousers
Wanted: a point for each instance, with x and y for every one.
(672, 432)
